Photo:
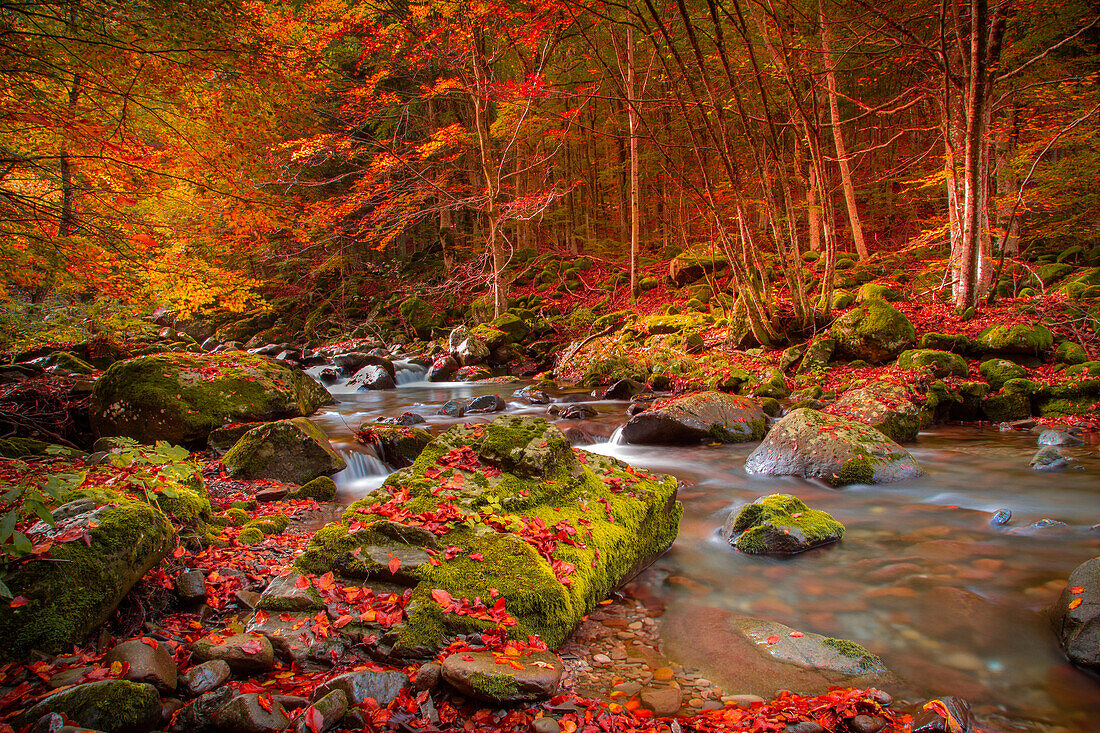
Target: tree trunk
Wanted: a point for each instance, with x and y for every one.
(838, 138)
(635, 219)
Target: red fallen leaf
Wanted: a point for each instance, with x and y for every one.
(179, 552)
(1074, 603)
(150, 642)
(19, 601)
(772, 640)
(302, 582)
(466, 658)
(796, 634)
(394, 565)
(325, 582)
(342, 621)
(253, 646)
(1077, 590)
(314, 719)
(265, 702)
(441, 597)
(477, 556)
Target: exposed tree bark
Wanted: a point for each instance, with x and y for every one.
(632, 111)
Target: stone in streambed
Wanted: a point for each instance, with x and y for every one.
(662, 701)
(373, 377)
(888, 408)
(111, 706)
(486, 404)
(246, 714)
(780, 525)
(1048, 458)
(1076, 616)
(244, 653)
(478, 675)
(331, 708)
(695, 418)
(293, 451)
(203, 678)
(381, 686)
(151, 663)
(814, 445)
(1058, 437)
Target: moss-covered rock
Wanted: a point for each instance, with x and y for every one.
(111, 706)
(396, 445)
(888, 408)
(780, 524)
(838, 451)
(842, 299)
(419, 316)
(1066, 398)
(818, 354)
(514, 327)
(509, 496)
(293, 451)
(695, 418)
(321, 488)
(953, 342)
(180, 398)
(875, 332)
(1018, 339)
(874, 290)
(222, 439)
(937, 363)
(1002, 407)
(688, 267)
(16, 447)
(999, 371)
(1070, 352)
(77, 586)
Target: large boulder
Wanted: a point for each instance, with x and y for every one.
(816, 445)
(76, 586)
(477, 674)
(1019, 339)
(694, 418)
(889, 408)
(293, 451)
(372, 377)
(110, 706)
(937, 363)
(780, 525)
(473, 350)
(874, 331)
(687, 268)
(493, 523)
(1076, 616)
(180, 398)
(396, 445)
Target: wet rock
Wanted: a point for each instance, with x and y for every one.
(866, 724)
(1076, 616)
(272, 493)
(478, 675)
(397, 446)
(577, 412)
(203, 678)
(152, 664)
(874, 331)
(624, 389)
(805, 726)
(486, 404)
(472, 350)
(244, 653)
(814, 445)
(191, 586)
(809, 650)
(195, 717)
(442, 369)
(329, 709)
(373, 377)
(293, 451)
(532, 395)
(112, 706)
(780, 525)
(291, 636)
(1001, 517)
(1048, 458)
(1058, 437)
(662, 701)
(68, 677)
(934, 716)
(888, 408)
(453, 408)
(352, 362)
(246, 714)
(695, 418)
(383, 687)
(329, 377)
(407, 419)
(427, 676)
(545, 725)
(180, 397)
(289, 593)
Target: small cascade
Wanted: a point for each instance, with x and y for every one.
(407, 372)
(617, 437)
(365, 471)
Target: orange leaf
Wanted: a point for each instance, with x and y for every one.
(179, 551)
(1074, 603)
(772, 640)
(342, 621)
(441, 597)
(1077, 590)
(19, 601)
(302, 582)
(394, 565)
(796, 634)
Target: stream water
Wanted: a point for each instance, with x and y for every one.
(951, 602)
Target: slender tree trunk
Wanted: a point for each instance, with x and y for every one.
(966, 294)
(635, 219)
(838, 138)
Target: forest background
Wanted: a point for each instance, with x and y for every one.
(330, 159)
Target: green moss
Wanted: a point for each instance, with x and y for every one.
(77, 586)
(765, 523)
(1006, 407)
(956, 343)
(1018, 339)
(321, 488)
(16, 447)
(999, 371)
(496, 686)
(114, 705)
(939, 363)
(874, 290)
(237, 516)
(1070, 352)
(271, 524)
(250, 536)
(874, 331)
(852, 650)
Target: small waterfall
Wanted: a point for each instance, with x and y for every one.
(365, 471)
(407, 372)
(617, 437)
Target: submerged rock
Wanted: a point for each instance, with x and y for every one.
(478, 675)
(805, 649)
(544, 529)
(1058, 437)
(1048, 458)
(293, 451)
(780, 525)
(180, 397)
(694, 418)
(1076, 616)
(815, 445)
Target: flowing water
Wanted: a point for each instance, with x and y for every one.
(952, 603)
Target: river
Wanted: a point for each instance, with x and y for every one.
(951, 602)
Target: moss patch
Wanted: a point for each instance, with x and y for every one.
(783, 524)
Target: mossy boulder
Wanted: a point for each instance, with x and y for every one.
(954, 342)
(695, 418)
(180, 398)
(111, 706)
(937, 363)
(1019, 339)
(550, 529)
(686, 268)
(419, 316)
(780, 524)
(321, 488)
(999, 371)
(818, 354)
(478, 675)
(1066, 398)
(888, 408)
(1006, 407)
(396, 445)
(874, 290)
(1070, 352)
(515, 328)
(222, 439)
(838, 451)
(16, 447)
(293, 451)
(874, 331)
(78, 584)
